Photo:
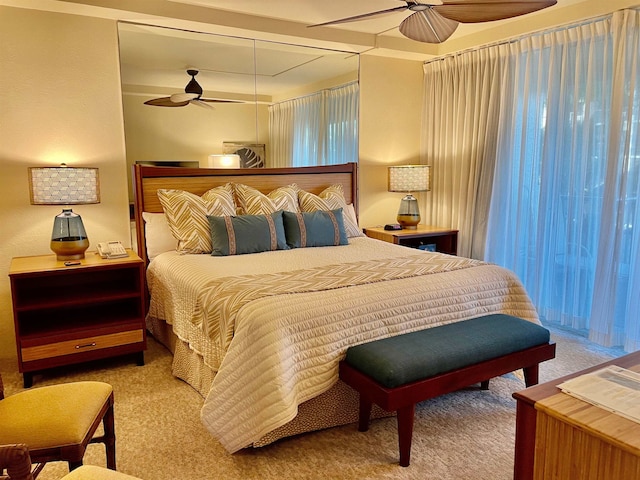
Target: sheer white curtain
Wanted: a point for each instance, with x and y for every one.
(557, 163)
(458, 120)
(318, 129)
(341, 136)
(295, 131)
(614, 318)
(564, 211)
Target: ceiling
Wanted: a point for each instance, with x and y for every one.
(287, 21)
(154, 61)
(314, 12)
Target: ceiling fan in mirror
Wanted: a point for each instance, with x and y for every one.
(435, 22)
(192, 95)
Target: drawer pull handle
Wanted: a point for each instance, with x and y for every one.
(92, 344)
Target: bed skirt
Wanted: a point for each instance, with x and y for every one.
(337, 406)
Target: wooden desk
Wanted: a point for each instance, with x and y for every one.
(561, 437)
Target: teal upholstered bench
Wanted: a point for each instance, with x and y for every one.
(398, 372)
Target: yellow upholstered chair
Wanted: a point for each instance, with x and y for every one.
(57, 422)
(16, 461)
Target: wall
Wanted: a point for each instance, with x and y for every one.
(60, 97)
(390, 117)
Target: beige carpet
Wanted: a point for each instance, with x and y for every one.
(465, 435)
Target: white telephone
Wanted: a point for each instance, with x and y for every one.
(112, 250)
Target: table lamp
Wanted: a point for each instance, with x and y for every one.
(409, 179)
(65, 185)
(231, 160)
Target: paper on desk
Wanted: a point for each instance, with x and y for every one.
(613, 388)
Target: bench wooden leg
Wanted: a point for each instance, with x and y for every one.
(405, 433)
(365, 413)
(531, 375)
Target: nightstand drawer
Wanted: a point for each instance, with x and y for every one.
(70, 347)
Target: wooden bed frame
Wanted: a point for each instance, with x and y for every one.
(147, 181)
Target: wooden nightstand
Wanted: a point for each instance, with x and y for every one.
(444, 240)
(72, 314)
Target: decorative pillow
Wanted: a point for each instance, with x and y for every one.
(157, 234)
(247, 234)
(330, 198)
(321, 228)
(350, 212)
(187, 215)
(253, 202)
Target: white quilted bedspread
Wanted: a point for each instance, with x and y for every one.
(286, 347)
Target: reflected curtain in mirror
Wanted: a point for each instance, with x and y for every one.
(317, 129)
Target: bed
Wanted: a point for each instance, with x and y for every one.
(260, 335)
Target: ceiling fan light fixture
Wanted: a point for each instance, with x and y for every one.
(193, 92)
(431, 23)
(193, 86)
(183, 97)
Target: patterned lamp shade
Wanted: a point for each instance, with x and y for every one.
(65, 186)
(409, 178)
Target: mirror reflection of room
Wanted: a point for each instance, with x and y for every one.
(276, 105)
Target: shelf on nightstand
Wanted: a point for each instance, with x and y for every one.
(445, 240)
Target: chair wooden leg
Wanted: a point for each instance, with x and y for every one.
(405, 433)
(364, 414)
(74, 465)
(531, 375)
(110, 437)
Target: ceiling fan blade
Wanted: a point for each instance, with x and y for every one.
(182, 97)
(489, 10)
(165, 102)
(428, 26)
(202, 104)
(215, 100)
(360, 17)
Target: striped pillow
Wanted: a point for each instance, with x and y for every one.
(322, 228)
(247, 234)
(187, 215)
(331, 198)
(253, 202)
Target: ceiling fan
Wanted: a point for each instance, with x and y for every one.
(434, 23)
(192, 95)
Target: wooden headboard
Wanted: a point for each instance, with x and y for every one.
(148, 180)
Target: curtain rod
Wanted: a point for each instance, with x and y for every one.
(319, 91)
(528, 35)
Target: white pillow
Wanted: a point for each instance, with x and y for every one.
(350, 211)
(158, 236)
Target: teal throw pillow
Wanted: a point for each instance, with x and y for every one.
(237, 235)
(321, 228)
